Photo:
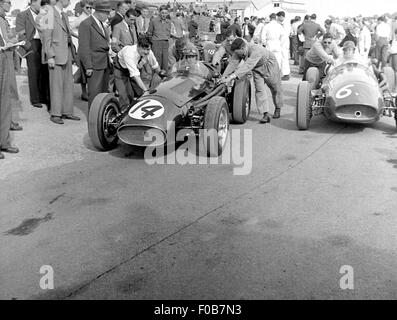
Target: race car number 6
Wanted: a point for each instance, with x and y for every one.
(344, 92)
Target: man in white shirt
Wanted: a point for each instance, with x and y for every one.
(285, 68)
(273, 36)
(38, 76)
(132, 64)
(365, 40)
(382, 35)
(258, 31)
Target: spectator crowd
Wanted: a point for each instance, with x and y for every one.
(129, 48)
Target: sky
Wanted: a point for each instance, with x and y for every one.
(321, 7)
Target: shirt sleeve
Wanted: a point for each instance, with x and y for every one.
(321, 53)
(130, 61)
(249, 64)
(218, 55)
(233, 64)
(153, 61)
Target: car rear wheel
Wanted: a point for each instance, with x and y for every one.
(216, 125)
(303, 108)
(390, 78)
(101, 129)
(313, 77)
(241, 101)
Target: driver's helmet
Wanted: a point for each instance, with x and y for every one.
(191, 51)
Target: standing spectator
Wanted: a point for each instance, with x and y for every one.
(248, 29)
(393, 52)
(382, 37)
(294, 39)
(285, 68)
(312, 31)
(10, 38)
(258, 31)
(59, 48)
(336, 30)
(86, 7)
(38, 76)
(365, 40)
(236, 28)
(273, 36)
(225, 24)
(179, 27)
(5, 92)
(121, 10)
(94, 50)
(193, 27)
(124, 33)
(142, 22)
(160, 32)
(352, 35)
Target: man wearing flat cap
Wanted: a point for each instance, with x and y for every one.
(94, 50)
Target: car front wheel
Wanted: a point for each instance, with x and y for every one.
(102, 118)
(216, 126)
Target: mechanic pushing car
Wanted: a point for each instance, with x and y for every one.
(266, 71)
(135, 68)
(323, 52)
(225, 48)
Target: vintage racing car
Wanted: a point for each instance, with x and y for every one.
(349, 93)
(186, 100)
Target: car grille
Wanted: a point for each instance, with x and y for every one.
(143, 136)
(356, 112)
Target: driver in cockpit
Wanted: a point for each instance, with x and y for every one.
(350, 55)
(190, 64)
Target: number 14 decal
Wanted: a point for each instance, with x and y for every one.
(147, 110)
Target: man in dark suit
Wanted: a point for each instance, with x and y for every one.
(94, 50)
(59, 53)
(121, 10)
(38, 75)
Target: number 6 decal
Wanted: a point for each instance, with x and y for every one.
(344, 92)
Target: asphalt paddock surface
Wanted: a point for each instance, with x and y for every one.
(112, 226)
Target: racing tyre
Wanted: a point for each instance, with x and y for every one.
(104, 110)
(241, 101)
(313, 77)
(390, 78)
(303, 108)
(216, 125)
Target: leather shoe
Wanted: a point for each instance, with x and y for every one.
(10, 150)
(265, 119)
(1, 156)
(84, 97)
(277, 113)
(56, 120)
(285, 78)
(38, 105)
(70, 117)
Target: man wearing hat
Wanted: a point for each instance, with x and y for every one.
(59, 51)
(349, 54)
(94, 50)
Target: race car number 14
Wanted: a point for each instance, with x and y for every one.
(147, 110)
